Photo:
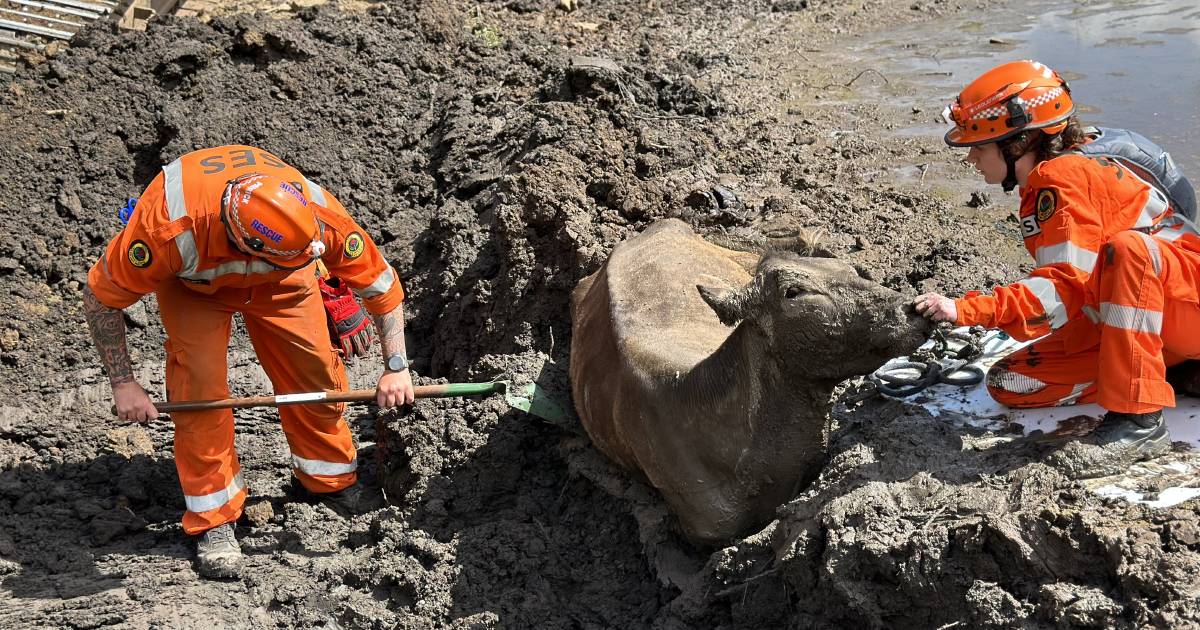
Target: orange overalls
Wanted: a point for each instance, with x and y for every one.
(176, 246)
(1115, 288)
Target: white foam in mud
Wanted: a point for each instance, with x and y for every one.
(1162, 482)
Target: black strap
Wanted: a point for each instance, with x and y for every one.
(1010, 179)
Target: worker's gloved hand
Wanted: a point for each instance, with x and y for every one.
(349, 327)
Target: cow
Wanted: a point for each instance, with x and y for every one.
(710, 372)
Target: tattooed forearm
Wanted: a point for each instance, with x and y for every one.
(391, 332)
(108, 333)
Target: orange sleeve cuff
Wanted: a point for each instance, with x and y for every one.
(975, 309)
(386, 302)
(107, 291)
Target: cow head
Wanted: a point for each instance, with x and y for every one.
(820, 314)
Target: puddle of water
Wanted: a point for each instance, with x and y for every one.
(1131, 64)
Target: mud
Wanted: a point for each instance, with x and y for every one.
(498, 151)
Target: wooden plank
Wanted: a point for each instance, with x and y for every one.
(34, 16)
(135, 15)
(34, 4)
(34, 30)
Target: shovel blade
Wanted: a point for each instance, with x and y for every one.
(531, 399)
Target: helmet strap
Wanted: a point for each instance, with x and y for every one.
(1010, 179)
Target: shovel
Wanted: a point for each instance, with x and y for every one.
(529, 399)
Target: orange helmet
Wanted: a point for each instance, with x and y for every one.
(1007, 100)
(269, 218)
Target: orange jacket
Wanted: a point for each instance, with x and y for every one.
(176, 233)
(1070, 207)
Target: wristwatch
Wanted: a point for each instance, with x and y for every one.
(397, 363)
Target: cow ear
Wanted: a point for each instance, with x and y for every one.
(727, 305)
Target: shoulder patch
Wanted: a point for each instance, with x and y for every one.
(354, 245)
(1047, 203)
(139, 255)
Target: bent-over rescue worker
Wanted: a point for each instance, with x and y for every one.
(234, 229)
(1114, 291)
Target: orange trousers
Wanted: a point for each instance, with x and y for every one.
(1141, 318)
(286, 323)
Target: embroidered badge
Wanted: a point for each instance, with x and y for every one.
(1047, 203)
(354, 245)
(139, 255)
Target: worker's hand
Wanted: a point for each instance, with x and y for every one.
(394, 389)
(936, 307)
(133, 403)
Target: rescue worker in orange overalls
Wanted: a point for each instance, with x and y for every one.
(234, 229)
(1113, 297)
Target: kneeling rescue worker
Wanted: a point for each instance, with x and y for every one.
(234, 229)
(1115, 287)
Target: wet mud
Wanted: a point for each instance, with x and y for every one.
(498, 151)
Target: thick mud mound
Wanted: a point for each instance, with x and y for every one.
(913, 524)
(498, 151)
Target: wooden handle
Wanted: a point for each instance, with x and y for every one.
(446, 390)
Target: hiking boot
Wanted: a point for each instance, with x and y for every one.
(1119, 441)
(352, 501)
(218, 554)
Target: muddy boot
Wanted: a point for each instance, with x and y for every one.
(1119, 441)
(218, 554)
(352, 501)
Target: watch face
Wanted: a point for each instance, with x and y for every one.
(397, 363)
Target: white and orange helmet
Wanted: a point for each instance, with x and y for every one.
(1007, 100)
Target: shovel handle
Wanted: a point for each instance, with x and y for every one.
(446, 390)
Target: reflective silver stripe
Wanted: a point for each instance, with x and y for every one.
(1014, 382)
(1152, 248)
(1131, 318)
(1047, 294)
(318, 467)
(1092, 314)
(208, 502)
(185, 241)
(1175, 226)
(315, 193)
(1156, 202)
(381, 285)
(1078, 257)
(1071, 398)
(241, 267)
(1170, 234)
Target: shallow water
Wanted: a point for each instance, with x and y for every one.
(1130, 64)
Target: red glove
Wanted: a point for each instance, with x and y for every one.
(349, 328)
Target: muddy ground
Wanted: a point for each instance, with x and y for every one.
(498, 151)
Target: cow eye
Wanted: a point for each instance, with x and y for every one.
(793, 292)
